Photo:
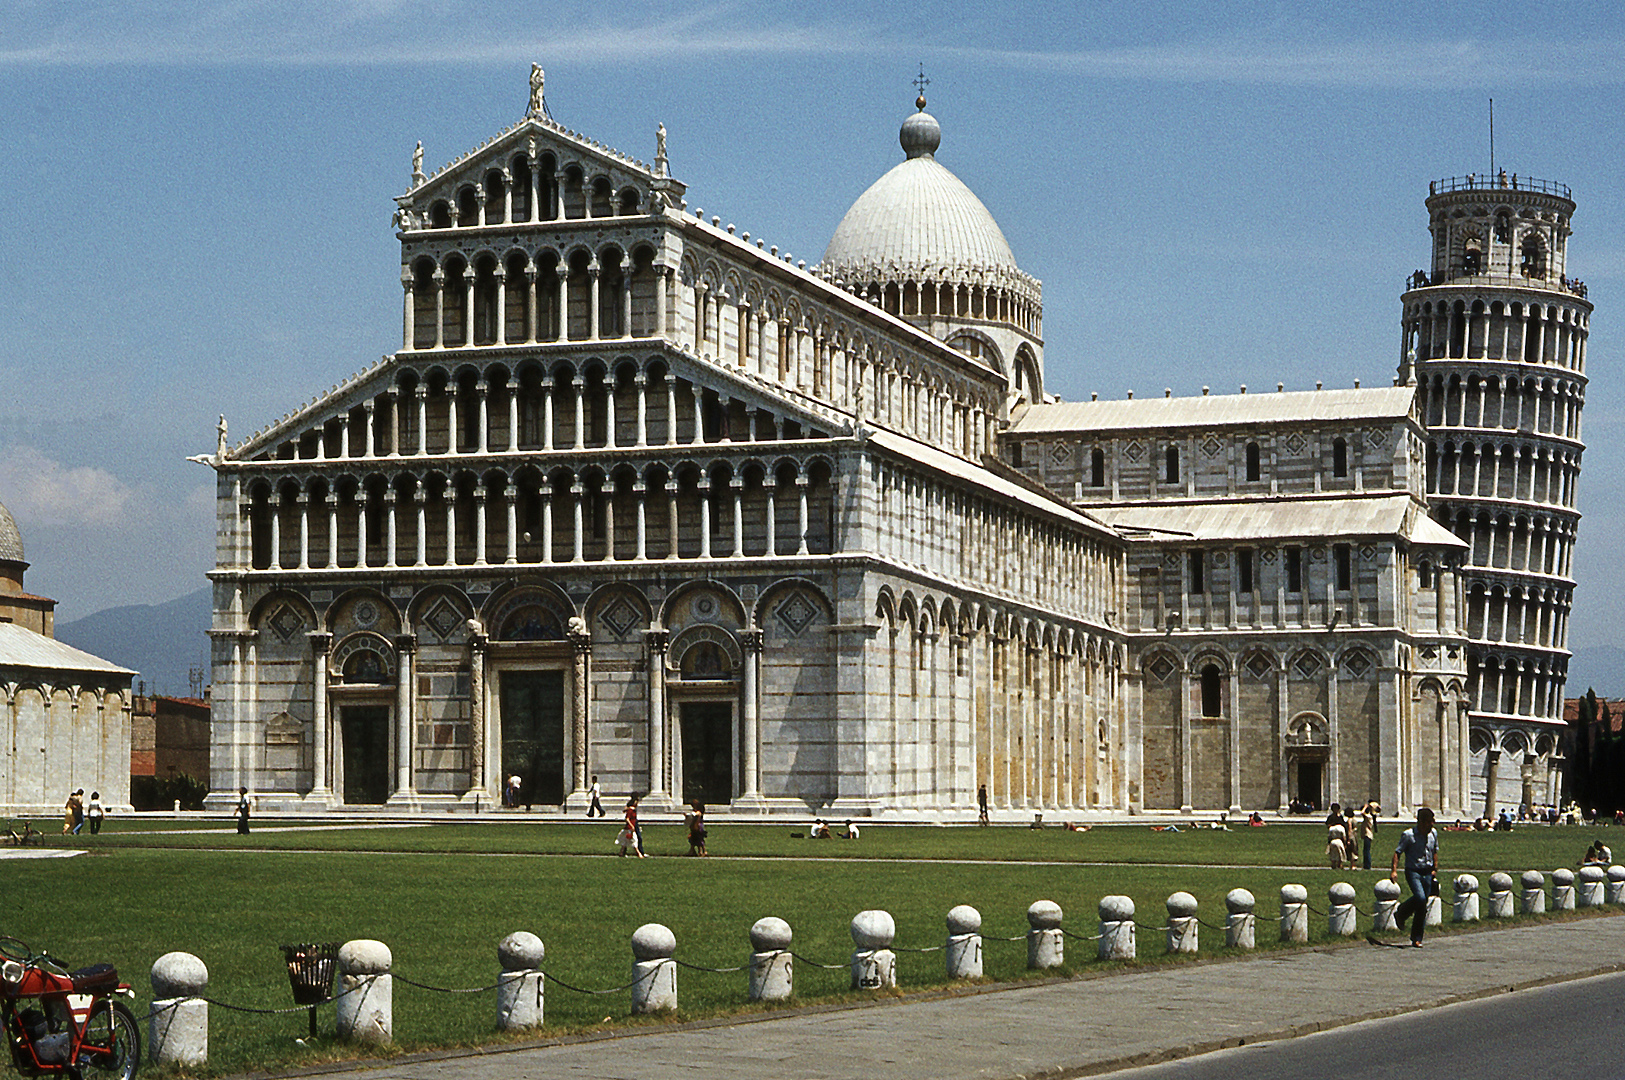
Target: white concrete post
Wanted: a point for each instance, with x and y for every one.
(1341, 914)
(1046, 945)
(1387, 895)
(1116, 928)
(1182, 929)
(1239, 925)
(1500, 896)
(964, 950)
(771, 976)
(1466, 898)
(1294, 913)
(178, 1033)
(874, 965)
(1593, 880)
(1435, 916)
(1563, 890)
(366, 992)
(654, 973)
(1616, 884)
(520, 987)
(1534, 892)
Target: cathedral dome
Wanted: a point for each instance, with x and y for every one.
(918, 221)
(11, 541)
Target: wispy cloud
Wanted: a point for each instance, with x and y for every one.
(39, 490)
(418, 32)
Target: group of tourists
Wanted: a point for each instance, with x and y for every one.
(76, 811)
(1343, 826)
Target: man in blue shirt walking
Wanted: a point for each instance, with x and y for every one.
(1420, 846)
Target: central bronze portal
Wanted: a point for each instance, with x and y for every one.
(533, 735)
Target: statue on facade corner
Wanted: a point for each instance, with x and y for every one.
(537, 78)
(660, 149)
(220, 446)
(417, 163)
(578, 626)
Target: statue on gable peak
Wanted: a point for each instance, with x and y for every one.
(537, 80)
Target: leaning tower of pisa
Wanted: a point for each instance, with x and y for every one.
(1494, 336)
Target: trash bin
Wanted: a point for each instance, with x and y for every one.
(310, 972)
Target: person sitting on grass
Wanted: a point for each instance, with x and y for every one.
(820, 830)
(852, 832)
(1255, 819)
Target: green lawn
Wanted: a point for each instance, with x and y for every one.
(442, 906)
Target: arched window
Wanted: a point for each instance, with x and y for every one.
(1097, 467)
(1340, 458)
(1170, 470)
(1253, 471)
(1472, 258)
(1424, 576)
(1210, 691)
(1534, 258)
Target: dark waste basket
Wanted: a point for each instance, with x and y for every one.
(310, 972)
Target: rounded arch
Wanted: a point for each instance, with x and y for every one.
(533, 612)
(687, 604)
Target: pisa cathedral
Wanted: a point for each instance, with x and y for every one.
(639, 498)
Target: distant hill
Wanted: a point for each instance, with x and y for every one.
(161, 641)
(1600, 668)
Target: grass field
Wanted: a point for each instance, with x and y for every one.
(443, 896)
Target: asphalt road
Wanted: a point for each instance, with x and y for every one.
(1570, 1029)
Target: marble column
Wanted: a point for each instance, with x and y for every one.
(751, 642)
(319, 643)
(582, 646)
(405, 645)
(477, 640)
(656, 640)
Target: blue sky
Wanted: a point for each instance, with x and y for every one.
(200, 194)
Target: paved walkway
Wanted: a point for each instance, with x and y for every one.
(1072, 1028)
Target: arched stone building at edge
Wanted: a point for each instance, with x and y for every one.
(640, 499)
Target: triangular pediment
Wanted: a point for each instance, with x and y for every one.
(535, 139)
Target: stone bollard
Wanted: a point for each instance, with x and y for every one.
(178, 1033)
(1342, 917)
(654, 972)
(1294, 913)
(964, 949)
(771, 976)
(1046, 945)
(1534, 892)
(1435, 915)
(366, 992)
(874, 965)
(1116, 928)
(1239, 925)
(1500, 896)
(1563, 890)
(1182, 936)
(520, 987)
(1593, 879)
(1616, 884)
(1384, 914)
(1466, 886)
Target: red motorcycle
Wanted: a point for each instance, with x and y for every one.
(76, 1028)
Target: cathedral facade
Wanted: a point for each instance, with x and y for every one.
(638, 499)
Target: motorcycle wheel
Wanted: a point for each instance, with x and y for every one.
(115, 1029)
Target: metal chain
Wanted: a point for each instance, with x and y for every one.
(699, 967)
(614, 990)
(447, 989)
(816, 964)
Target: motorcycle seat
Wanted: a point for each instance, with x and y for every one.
(96, 977)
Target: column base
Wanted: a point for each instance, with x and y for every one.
(577, 802)
(753, 803)
(320, 799)
(404, 800)
(658, 802)
(479, 800)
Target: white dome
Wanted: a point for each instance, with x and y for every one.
(918, 220)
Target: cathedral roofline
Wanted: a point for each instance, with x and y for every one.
(1219, 410)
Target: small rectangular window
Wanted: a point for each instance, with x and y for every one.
(1244, 571)
(1344, 572)
(1170, 471)
(1198, 578)
(1294, 569)
(1015, 454)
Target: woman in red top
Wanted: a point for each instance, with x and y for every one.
(632, 834)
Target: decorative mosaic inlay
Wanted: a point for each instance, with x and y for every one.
(1160, 668)
(1376, 436)
(1060, 453)
(1212, 447)
(286, 622)
(620, 617)
(796, 613)
(1356, 664)
(1368, 553)
(1307, 665)
(1133, 450)
(443, 619)
(1296, 442)
(1258, 667)
(366, 613)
